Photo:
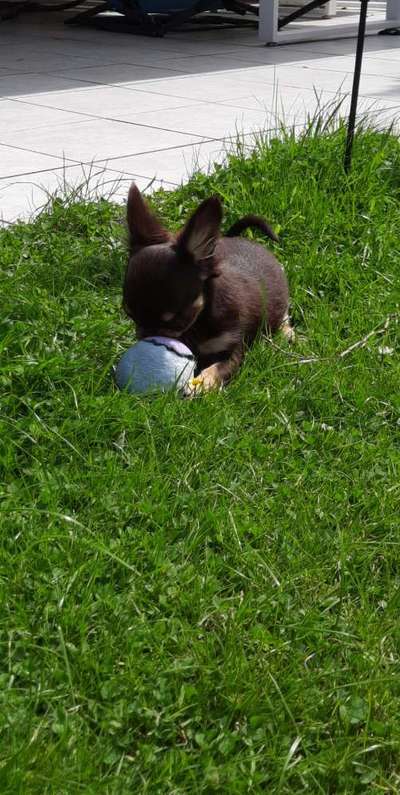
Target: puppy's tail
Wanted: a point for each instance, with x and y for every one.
(251, 222)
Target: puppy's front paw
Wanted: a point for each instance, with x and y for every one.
(288, 331)
(206, 381)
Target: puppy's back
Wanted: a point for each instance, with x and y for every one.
(258, 275)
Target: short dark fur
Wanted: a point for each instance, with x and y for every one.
(212, 292)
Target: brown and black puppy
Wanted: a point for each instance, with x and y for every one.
(212, 292)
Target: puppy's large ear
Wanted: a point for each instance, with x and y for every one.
(144, 228)
(199, 237)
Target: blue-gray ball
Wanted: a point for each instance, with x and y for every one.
(155, 363)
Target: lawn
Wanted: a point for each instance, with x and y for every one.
(203, 596)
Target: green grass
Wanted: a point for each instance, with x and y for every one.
(204, 596)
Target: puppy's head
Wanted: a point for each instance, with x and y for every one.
(164, 287)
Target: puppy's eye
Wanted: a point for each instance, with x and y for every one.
(167, 316)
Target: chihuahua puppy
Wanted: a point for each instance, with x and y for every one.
(212, 292)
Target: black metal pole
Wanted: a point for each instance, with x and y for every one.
(356, 85)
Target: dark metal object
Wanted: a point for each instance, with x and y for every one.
(389, 32)
(132, 19)
(356, 85)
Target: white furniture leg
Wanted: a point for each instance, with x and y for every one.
(331, 8)
(268, 21)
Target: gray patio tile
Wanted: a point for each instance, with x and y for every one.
(106, 101)
(97, 139)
